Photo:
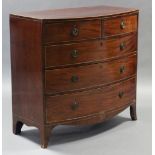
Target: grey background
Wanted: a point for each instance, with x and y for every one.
(117, 136)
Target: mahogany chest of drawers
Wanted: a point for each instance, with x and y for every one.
(73, 66)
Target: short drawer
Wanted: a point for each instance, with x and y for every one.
(80, 77)
(71, 106)
(72, 30)
(120, 25)
(90, 51)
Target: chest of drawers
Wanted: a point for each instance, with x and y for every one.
(72, 66)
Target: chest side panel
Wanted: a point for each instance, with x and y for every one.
(26, 60)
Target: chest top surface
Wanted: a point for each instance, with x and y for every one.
(81, 12)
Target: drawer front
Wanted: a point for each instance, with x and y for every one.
(120, 25)
(72, 30)
(68, 79)
(85, 52)
(70, 106)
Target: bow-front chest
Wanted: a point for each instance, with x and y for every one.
(74, 66)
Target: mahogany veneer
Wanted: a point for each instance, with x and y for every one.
(72, 66)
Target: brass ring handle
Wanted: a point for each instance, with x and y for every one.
(74, 105)
(74, 54)
(75, 31)
(74, 78)
(121, 94)
(122, 69)
(122, 25)
(122, 46)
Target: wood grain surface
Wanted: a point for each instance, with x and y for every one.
(89, 102)
(26, 65)
(113, 26)
(60, 80)
(63, 31)
(74, 13)
(89, 51)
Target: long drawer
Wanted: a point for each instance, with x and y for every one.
(72, 30)
(79, 77)
(86, 52)
(90, 102)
